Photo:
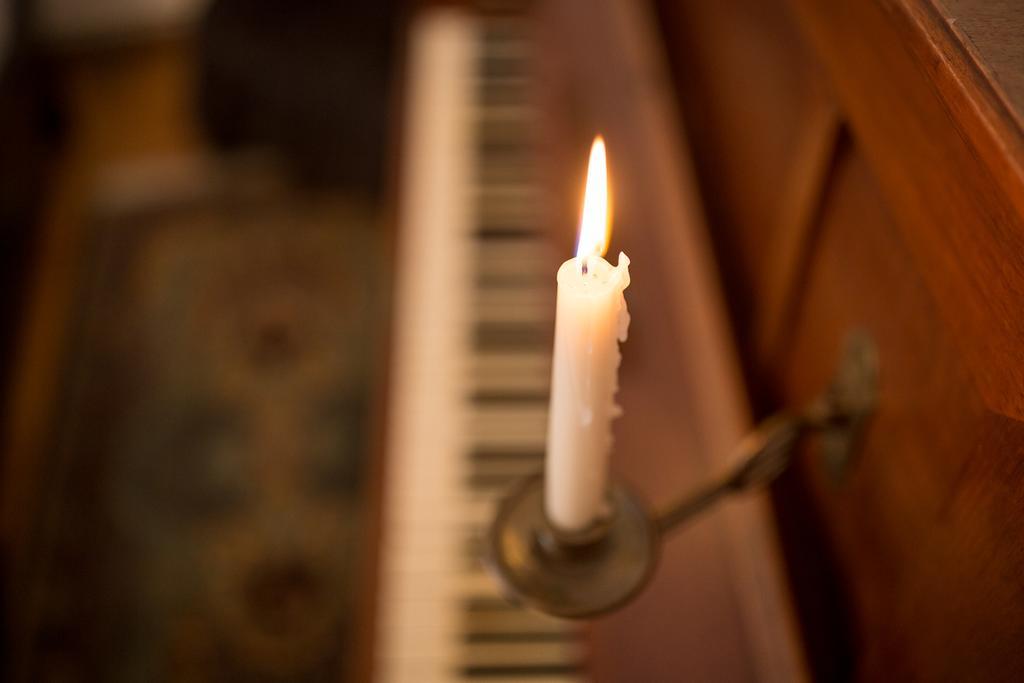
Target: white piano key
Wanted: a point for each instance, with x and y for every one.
(429, 670)
(515, 426)
(513, 621)
(414, 526)
(508, 371)
(511, 305)
(517, 195)
(511, 653)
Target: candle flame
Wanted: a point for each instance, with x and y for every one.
(595, 226)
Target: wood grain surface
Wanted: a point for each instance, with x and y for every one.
(910, 568)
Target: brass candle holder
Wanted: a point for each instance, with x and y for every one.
(596, 571)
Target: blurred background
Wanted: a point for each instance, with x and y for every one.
(191, 309)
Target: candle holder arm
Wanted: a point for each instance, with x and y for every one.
(584, 575)
(837, 414)
(763, 455)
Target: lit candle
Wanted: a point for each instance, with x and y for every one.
(591, 319)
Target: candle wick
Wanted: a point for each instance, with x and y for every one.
(583, 266)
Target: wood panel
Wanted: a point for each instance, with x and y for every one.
(948, 156)
(922, 242)
(768, 127)
(924, 529)
(910, 568)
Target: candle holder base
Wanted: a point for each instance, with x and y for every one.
(565, 577)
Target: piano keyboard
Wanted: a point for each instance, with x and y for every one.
(471, 364)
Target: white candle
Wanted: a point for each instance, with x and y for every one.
(591, 319)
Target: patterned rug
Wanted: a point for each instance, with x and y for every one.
(201, 514)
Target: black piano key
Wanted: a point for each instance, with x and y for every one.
(505, 230)
(494, 336)
(503, 92)
(521, 670)
(493, 614)
(508, 397)
(501, 134)
(520, 173)
(484, 453)
(486, 604)
(490, 482)
(500, 155)
(502, 63)
(564, 636)
(500, 150)
(489, 603)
